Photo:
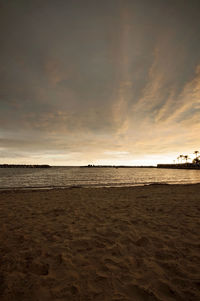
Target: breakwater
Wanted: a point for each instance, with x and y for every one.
(180, 166)
(23, 166)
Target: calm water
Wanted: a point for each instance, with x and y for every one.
(75, 176)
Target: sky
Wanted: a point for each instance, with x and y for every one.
(99, 82)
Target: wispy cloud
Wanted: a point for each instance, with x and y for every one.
(110, 80)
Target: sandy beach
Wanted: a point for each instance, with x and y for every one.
(139, 243)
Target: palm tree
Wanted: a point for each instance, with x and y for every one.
(181, 157)
(196, 160)
(186, 158)
(196, 153)
(178, 158)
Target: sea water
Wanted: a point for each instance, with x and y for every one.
(98, 177)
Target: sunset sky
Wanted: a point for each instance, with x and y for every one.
(100, 82)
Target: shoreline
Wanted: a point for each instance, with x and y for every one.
(47, 188)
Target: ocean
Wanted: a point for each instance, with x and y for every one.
(99, 177)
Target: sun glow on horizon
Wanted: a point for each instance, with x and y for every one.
(109, 158)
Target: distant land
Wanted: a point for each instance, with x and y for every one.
(169, 166)
(116, 166)
(23, 166)
(180, 166)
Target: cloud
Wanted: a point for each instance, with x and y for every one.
(82, 81)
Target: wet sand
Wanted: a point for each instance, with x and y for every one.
(139, 243)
